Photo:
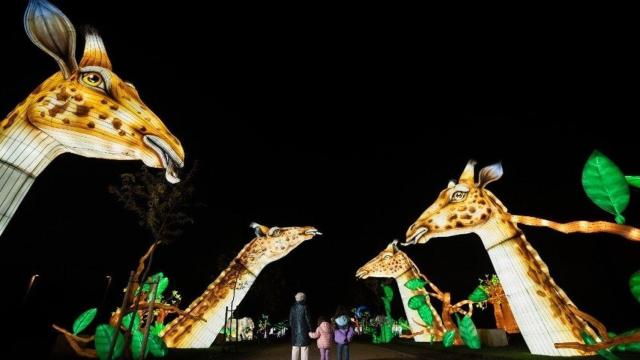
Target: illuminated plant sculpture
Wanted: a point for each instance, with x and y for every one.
(545, 315)
(144, 325)
(85, 109)
(270, 244)
(490, 291)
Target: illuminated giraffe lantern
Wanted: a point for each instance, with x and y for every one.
(394, 263)
(85, 109)
(270, 244)
(544, 313)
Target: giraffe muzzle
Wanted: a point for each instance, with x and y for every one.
(417, 236)
(313, 232)
(362, 274)
(170, 160)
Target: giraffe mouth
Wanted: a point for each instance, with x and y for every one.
(362, 274)
(170, 160)
(312, 232)
(419, 234)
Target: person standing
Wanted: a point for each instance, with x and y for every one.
(324, 334)
(300, 328)
(343, 334)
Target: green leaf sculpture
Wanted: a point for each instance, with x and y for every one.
(605, 185)
(468, 332)
(479, 294)
(416, 301)
(415, 284)
(388, 292)
(126, 320)
(162, 286)
(104, 334)
(425, 314)
(449, 338)
(156, 328)
(633, 181)
(137, 338)
(634, 285)
(84, 320)
(157, 347)
(605, 353)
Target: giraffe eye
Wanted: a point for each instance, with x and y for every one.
(387, 257)
(93, 79)
(458, 196)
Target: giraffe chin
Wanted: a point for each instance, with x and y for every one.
(170, 160)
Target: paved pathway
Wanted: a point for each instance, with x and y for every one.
(359, 351)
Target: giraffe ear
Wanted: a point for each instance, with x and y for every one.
(274, 231)
(260, 230)
(50, 30)
(490, 174)
(94, 52)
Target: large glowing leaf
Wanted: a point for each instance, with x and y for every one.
(104, 334)
(416, 301)
(157, 347)
(468, 332)
(126, 320)
(634, 285)
(479, 294)
(605, 185)
(415, 284)
(449, 338)
(137, 338)
(425, 314)
(84, 320)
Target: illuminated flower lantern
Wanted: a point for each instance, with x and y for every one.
(84, 109)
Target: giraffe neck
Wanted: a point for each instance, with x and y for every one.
(25, 152)
(184, 332)
(435, 332)
(540, 307)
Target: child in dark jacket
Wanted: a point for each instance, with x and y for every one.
(342, 336)
(324, 335)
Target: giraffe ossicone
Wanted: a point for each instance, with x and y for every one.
(541, 308)
(85, 109)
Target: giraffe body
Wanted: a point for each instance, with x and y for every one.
(85, 109)
(232, 285)
(541, 308)
(394, 263)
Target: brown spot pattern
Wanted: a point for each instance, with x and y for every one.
(82, 110)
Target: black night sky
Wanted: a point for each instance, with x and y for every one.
(350, 120)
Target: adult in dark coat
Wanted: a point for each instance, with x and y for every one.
(300, 328)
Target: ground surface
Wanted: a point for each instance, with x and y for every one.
(367, 351)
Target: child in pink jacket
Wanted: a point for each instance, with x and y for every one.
(324, 334)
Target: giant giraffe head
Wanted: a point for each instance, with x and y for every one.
(86, 107)
(389, 263)
(461, 208)
(274, 243)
